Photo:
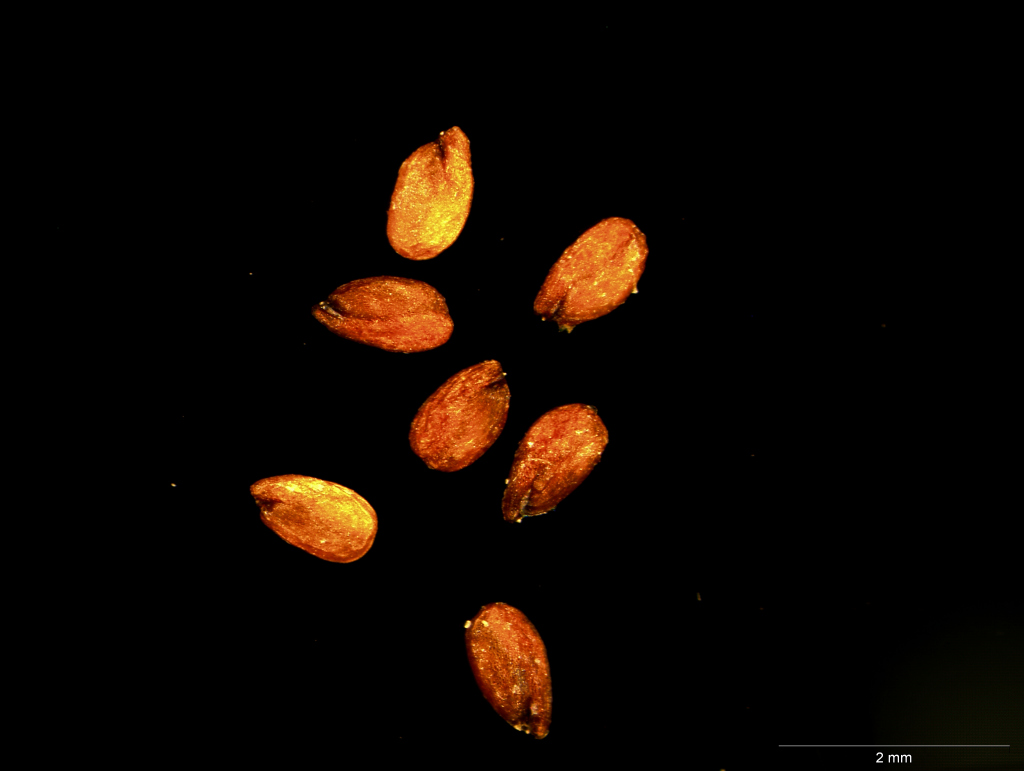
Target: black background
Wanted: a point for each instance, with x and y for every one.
(777, 441)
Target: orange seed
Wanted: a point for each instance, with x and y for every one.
(461, 419)
(510, 664)
(558, 452)
(323, 518)
(431, 200)
(396, 314)
(556, 455)
(595, 275)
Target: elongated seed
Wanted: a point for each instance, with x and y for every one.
(510, 665)
(432, 196)
(396, 314)
(462, 418)
(323, 518)
(558, 452)
(595, 275)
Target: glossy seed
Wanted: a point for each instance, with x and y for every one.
(462, 418)
(431, 200)
(510, 664)
(323, 518)
(396, 314)
(595, 275)
(555, 456)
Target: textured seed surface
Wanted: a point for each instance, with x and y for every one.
(462, 418)
(396, 314)
(595, 275)
(555, 456)
(432, 196)
(510, 665)
(327, 520)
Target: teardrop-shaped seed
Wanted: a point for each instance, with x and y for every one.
(462, 418)
(595, 275)
(431, 200)
(556, 455)
(325, 519)
(396, 314)
(510, 664)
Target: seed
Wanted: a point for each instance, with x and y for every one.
(510, 665)
(595, 275)
(431, 200)
(323, 518)
(555, 456)
(462, 418)
(396, 314)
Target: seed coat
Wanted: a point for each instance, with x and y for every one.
(323, 518)
(461, 420)
(558, 452)
(510, 665)
(595, 275)
(387, 312)
(432, 197)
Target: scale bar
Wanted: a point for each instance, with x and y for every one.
(894, 745)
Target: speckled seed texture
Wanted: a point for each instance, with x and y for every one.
(595, 275)
(510, 665)
(396, 314)
(431, 200)
(555, 456)
(323, 518)
(462, 418)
